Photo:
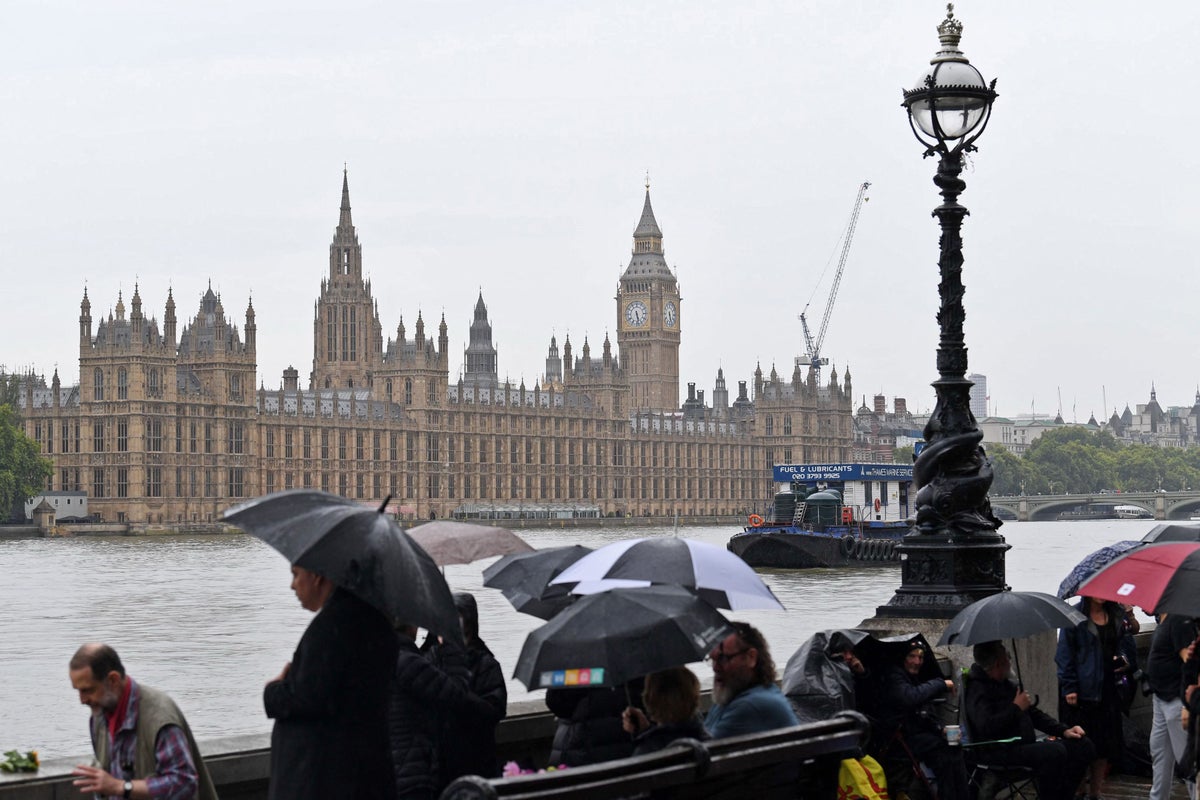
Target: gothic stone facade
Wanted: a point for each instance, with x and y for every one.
(167, 428)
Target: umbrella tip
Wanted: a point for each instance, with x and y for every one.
(383, 505)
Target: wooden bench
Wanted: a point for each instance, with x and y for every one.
(794, 762)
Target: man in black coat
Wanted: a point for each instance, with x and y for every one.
(998, 709)
(330, 702)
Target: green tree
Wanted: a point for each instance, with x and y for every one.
(902, 455)
(23, 471)
(10, 388)
(1009, 471)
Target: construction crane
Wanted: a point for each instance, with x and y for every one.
(813, 358)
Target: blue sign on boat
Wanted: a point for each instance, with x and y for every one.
(785, 473)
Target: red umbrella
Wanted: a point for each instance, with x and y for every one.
(1157, 577)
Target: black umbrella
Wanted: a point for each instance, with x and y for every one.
(1173, 532)
(523, 579)
(1009, 615)
(358, 548)
(608, 638)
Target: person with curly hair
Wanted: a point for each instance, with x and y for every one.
(745, 697)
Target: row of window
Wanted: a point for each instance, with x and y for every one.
(235, 436)
(155, 384)
(188, 482)
(509, 488)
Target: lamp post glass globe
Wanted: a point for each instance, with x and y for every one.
(951, 100)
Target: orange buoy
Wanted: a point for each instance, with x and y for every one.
(756, 521)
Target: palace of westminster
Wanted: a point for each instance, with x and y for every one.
(166, 426)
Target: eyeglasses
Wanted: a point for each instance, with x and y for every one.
(721, 659)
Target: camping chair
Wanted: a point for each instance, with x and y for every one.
(907, 776)
(988, 779)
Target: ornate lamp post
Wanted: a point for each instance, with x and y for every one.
(953, 556)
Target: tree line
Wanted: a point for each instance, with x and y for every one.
(1080, 461)
(23, 470)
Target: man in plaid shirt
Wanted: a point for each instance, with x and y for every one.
(143, 746)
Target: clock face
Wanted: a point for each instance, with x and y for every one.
(669, 314)
(635, 313)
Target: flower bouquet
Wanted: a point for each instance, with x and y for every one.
(15, 762)
(512, 769)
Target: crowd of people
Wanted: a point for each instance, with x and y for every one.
(362, 711)
(907, 703)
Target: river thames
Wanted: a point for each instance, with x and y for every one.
(211, 619)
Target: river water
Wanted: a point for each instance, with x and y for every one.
(211, 619)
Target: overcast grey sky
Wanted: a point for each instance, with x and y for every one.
(503, 146)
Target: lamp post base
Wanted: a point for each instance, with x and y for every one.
(941, 574)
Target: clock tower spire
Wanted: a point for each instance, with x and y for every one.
(648, 319)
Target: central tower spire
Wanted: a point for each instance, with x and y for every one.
(347, 347)
(345, 254)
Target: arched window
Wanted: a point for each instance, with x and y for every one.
(122, 384)
(152, 381)
(770, 426)
(98, 384)
(389, 388)
(408, 391)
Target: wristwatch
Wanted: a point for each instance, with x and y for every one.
(128, 790)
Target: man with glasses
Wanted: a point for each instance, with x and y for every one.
(745, 697)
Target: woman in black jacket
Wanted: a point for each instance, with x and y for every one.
(468, 740)
(423, 695)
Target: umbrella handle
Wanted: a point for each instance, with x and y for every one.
(383, 505)
(1017, 662)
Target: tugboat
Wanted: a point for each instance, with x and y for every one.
(830, 515)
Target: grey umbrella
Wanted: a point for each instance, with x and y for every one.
(359, 548)
(1009, 615)
(451, 542)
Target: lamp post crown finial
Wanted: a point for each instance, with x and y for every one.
(949, 34)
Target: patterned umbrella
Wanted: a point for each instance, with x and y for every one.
(1090, 564)
(1157, 577)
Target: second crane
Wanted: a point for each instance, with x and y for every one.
(813, 358)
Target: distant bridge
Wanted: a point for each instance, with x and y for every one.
(1163, 505)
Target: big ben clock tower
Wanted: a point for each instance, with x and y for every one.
(648, 320)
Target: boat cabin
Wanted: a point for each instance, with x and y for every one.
(845, 493)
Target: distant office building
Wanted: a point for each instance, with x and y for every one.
(979, 395)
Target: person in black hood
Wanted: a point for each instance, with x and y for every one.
(468, 740)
